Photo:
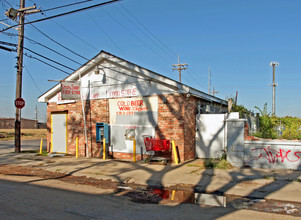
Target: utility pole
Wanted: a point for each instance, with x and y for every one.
(209, 84)
(36, 111)
(274, 84)
(214, 92)
(13, 13)
(180, 67)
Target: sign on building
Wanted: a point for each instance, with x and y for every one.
(70, 91)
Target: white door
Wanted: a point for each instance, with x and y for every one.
(59, 133)
(210, 135)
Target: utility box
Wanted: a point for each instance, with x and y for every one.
(102, 131)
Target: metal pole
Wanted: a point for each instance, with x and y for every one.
(274, 89)
(274, 84)
(19, 78)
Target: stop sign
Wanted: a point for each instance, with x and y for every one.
(19, 103)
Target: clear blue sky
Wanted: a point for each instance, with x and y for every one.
(237, 38)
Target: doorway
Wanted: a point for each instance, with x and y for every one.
(59, 132)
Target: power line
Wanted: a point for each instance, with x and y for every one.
(46, 63)
(171, 53)
(33, 80)
(58, 43)
(167, 50)
(75, 36)
(64, 6)
(135, 35)
(10, 44)
(42, 45)
(63, 14)
(49, 59)
(108, 36)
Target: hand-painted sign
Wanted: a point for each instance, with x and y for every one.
(70, 91)
(134, 111)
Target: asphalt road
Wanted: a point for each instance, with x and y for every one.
(23, 197)
(31, 197)
(26, 145)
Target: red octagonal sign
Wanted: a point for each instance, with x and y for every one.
(19, 103)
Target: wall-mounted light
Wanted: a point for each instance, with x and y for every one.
(96, 71)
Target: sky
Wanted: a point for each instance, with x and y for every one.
(237, 38)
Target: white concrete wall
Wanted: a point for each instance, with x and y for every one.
(273, 154)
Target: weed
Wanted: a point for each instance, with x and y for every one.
(193, 165)
(213, 164)
(223, 164)
(44, 153)
(268, 177)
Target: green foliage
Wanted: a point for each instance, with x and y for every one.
(288, 127)
(239, 108)
(291, 127)
(266, 124)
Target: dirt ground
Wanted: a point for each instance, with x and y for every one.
(35, 172)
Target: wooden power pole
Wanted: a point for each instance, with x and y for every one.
(12, 13)
(180, 67)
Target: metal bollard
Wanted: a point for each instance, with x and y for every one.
(76, 149)
(104, 149)
(134, 150)
(175, 153)
(41, 146)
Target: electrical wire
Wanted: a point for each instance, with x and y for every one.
(33, 79)
(15, 45)
(172, 53)
(42, 45)
(58, 43)
(49, 59)
(46, 63)
(172, 56)
(63, 14)
(154, 51)
(107, 35)
(91, 46)
(64, 6)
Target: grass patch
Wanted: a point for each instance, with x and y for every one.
(26, 134)
(212, 164)
(44, 153)
(269, 177)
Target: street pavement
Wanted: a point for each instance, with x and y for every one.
(281, 185)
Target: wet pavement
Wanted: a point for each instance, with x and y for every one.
(171, 196)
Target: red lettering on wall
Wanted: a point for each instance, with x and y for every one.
(274, 156)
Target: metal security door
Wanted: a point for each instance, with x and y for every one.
(210, 135)
(59, 133)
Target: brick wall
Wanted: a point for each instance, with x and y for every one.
(9, 123)
(176, 121)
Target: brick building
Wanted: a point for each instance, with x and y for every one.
(131, 100)
(9, 123)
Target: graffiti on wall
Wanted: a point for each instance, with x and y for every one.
(280, 155)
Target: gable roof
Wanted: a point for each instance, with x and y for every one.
(148, 74)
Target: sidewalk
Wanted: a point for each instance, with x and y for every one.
(283, 185)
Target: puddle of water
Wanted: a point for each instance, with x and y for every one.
(169, 196)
